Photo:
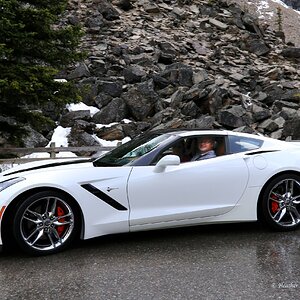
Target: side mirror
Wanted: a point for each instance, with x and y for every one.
(168, 160)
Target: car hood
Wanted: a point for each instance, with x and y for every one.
(45, 164)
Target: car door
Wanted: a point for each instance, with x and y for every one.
(186, 192)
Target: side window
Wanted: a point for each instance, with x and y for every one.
(177, 148)
(188, 149)
(241, 144)
(200, 145)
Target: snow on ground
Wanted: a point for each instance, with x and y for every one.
(281, 3)
(263, 7)
(82, 106)
(105, 143)
(60, 137)
(111, 124)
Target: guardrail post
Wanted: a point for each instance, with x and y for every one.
(52, 150)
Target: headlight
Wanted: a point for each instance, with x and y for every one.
(5, 184)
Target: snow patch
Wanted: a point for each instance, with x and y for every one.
(281, 3)
(60, 137)
(81, 106)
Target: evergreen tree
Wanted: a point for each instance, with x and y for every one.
(279, 18)
(32, 51)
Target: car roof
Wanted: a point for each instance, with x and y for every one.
(184, 132)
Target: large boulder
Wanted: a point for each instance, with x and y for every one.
(179, 74)
(142, 101)
(107, 10)
(34, 139)
(115, 111)
(291, 52)
(233, 117)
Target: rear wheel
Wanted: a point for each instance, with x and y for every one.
(281, 203)
(45, 223)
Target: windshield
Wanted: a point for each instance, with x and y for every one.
(131, 150)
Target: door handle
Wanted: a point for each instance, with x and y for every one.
(111, 188)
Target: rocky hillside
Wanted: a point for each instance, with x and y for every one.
(267, 13)
(170, 64)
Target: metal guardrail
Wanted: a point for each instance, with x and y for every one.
(52, 150)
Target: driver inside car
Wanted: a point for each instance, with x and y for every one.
(206, 150)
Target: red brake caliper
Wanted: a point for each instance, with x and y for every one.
(60, 229)
(274, 204)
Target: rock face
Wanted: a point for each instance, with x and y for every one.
(268, 13)
(169, 64)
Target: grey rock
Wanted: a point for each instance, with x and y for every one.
(134, 74)
(151, 8)
(268, 126)
(244, 129)
(111, 88)
(291, 95)
(177, 97)
(260, 113)
(179, 74)
(233, 117)
(218, 24)
(258, 47)
(112, 133)
(288, 113)
(88, 90)
(167, 53)
(95, 22)
(34, 139)
(125, 5)
(277, 134)
(191, 109)
(115, 111)
(102, 100)
(107, 10)
(79, 72)
(280, 121)
(291, 52)
(200, 76)
(68, 119)
(237, 77)
(141, 100)
(292, 129)
(278, 105)
(205, 122)
(79, 138)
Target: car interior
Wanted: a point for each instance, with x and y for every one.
(186, 148)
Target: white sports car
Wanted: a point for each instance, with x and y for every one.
(151, 182)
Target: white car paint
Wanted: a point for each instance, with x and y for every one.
(222, 189)
(186, 191)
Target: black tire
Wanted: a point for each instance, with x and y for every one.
(46, 223)
(281, 203)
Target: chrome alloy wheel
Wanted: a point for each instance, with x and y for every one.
(284, 202)
(46, 223)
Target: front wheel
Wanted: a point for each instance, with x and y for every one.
(45, 223)
(281, 203)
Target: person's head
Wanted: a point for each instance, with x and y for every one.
(206, 144)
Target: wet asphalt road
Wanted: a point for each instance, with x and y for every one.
(241, 261)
